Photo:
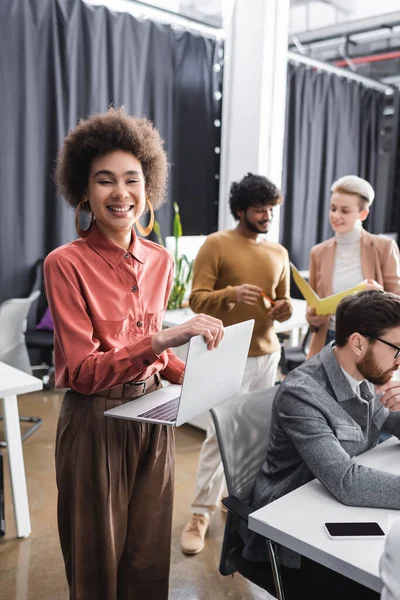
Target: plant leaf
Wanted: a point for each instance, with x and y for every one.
(157, 231)
(177, 223)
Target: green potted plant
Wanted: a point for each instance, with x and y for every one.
(183, 266)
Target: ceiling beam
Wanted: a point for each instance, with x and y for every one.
(350, 28)
(343, 5)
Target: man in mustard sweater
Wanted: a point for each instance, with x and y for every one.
(233, 272)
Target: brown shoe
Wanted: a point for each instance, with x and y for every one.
(193, 534)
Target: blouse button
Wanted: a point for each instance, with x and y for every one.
(126, 255)
(139, 323)
(134, 288)
(146, 362)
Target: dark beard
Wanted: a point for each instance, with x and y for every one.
(370, 370)
(252, 227)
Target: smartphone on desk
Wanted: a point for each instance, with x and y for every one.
(368, 530)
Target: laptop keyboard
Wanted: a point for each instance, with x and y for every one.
(164, 412)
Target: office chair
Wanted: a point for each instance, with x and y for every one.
(13, 314)
(294, 356)
(40, 342)
(243, 436)
(13, 351)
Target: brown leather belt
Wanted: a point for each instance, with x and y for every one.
(131, 389)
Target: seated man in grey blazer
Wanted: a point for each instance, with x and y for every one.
(330, 409)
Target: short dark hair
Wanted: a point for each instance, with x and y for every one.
(253, 190)
(370, 312)
(103, 133)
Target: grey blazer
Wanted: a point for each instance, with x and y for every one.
(318, 425)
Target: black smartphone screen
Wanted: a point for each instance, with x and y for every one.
(354, 529)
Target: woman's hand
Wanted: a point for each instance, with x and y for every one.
(371, 284)
(314, 319)
(210, 328)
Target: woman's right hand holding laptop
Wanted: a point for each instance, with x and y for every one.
(210, 328)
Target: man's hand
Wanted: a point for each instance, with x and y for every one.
(390, 395)
(314, 319)
(210, 328)
(281, 310)
(247, 293)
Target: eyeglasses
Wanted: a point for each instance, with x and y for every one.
(397, 348)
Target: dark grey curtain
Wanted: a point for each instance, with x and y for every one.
(61, 60)
(196, 109)
(332, 129)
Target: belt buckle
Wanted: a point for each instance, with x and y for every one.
(134, 384)
(143, 381)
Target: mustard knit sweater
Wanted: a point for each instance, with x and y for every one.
(228, 259)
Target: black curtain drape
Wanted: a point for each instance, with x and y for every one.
(61, 60)
(332, 129)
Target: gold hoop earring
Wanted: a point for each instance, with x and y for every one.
(82, 232)
(145, 231)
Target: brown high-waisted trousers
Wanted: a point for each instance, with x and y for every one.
(115, 492)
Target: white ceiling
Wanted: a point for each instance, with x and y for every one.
(343, 5)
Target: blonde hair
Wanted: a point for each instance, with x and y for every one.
(351, 184)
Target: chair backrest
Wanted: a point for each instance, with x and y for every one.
(38, 306)
(243, 436)
(306, 341)
(13, 314)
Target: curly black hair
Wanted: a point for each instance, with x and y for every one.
(103, 133)
(253, 190)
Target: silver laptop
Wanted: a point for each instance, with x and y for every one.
(211, 377)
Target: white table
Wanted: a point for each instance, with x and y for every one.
(12, 383)
(296, 521)
(296, 322)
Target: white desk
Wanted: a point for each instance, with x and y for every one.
(12, 383)
(296, 322)
(296, 521)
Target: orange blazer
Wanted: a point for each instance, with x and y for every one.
(379, 261)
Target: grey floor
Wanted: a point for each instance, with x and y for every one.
(32, 569)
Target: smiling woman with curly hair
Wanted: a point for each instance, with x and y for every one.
(101, 134)
(107, 293)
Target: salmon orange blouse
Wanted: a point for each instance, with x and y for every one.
(106, 303)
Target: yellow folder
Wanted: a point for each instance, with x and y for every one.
(323, 306)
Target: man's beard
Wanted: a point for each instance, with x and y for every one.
(370, 370)
(254, 228)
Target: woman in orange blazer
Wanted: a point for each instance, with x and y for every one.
(351, 256)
